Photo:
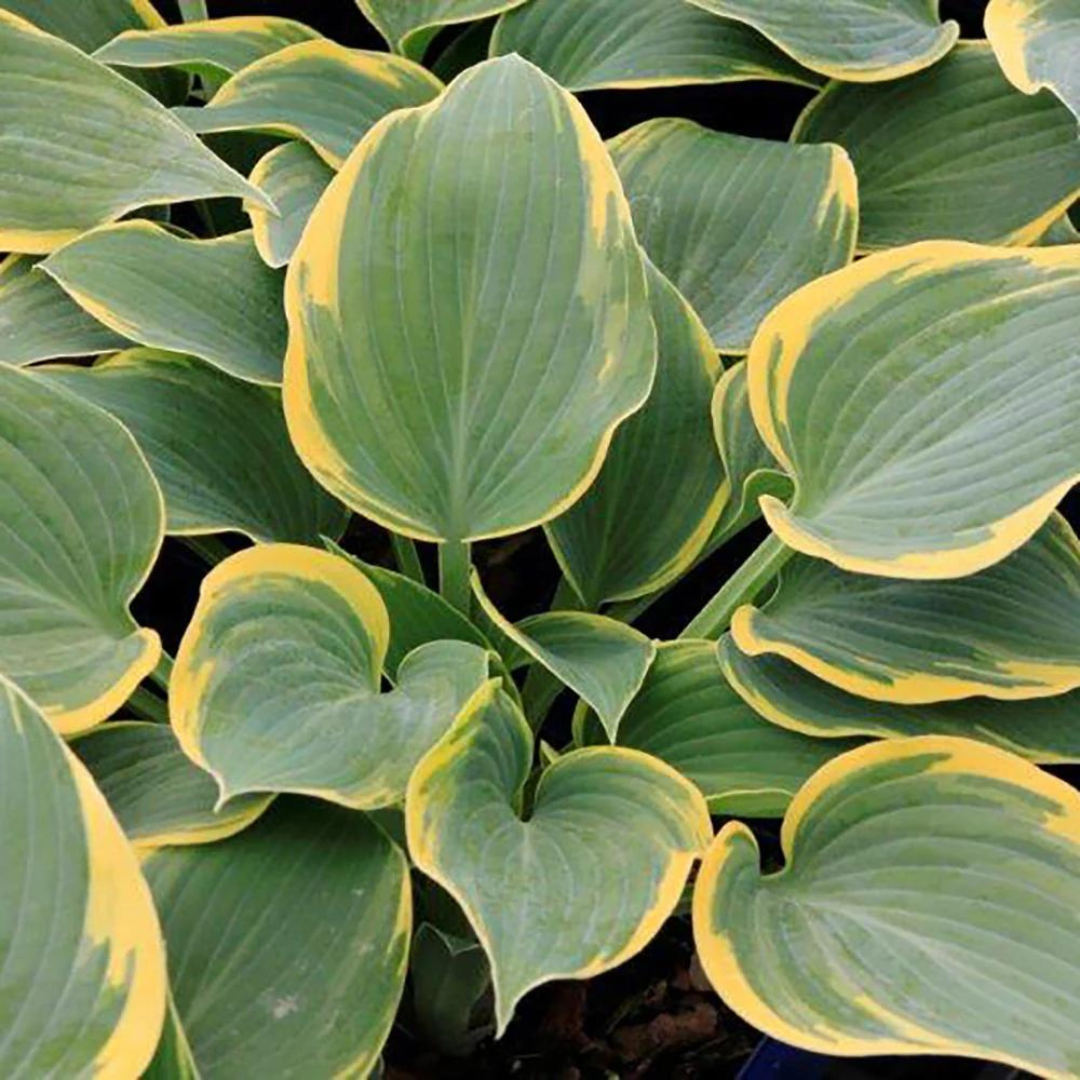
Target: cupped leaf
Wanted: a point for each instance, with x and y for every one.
(749, 465)
(80, 945)
(215, 299)
(287, 943)
(277, 682)
(580, 886)
(217, 46)
(853, 40)
(468, 329)
(954, 152)
(409, 25)
(1041, 729)
(605, 44)
(687, 715)
(1009, 631)
(602, 660)
(318, 91)
(68, 119)
(659, 494)
(1036, 43)
(736, 224)
(157, 794)
(928, 906)
(39, 321)
(295, 177)
(217, 445)
(80, 526)
(893, 391)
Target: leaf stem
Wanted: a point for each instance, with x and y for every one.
(193, 10)
(741, 588)
(454, 567)
(408, 558)
(211, 549)
(160, 675)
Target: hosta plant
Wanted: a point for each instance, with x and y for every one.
(272, 297)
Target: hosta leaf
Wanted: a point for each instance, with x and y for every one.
(39, 321)
(892, 478)
(80, 526)
(217, 445)
(751, 469)
(736, 224)
(287, 943)
(1063, 231)
(67, 119)
(1036, 43)
(409, 25)
(317, 91)
(467, 329)
(929, 905)
(854, 40)
(580, 886)
(687, 715)
(649, 512)
(84, 967)
(1009, 631)
(156, 793)
(172, 1059)
(276, 684)
(954, 151)
(215, 299)
(597, 44)
(602, 660)
(295, 177)
(215, 46)
(1042, 729)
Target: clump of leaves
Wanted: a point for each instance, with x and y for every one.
(448, 308)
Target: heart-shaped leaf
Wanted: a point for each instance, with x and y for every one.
(287, 943)
(892, 479)
(80, 526)
(218, 446)
(468, 329)
(277, 682)
(603, 855)
(736, 224)
(953, 152)
(409, 25)
(215, 299)
(604, 44)
(80, 945)
(928, 905)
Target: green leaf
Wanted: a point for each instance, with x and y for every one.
(928, 905)
(172, 1059)
(953, 152)
(585, 882)
(39, 321)
(751, 469)
(1009, 631)
(215, 299)
(1062, 231)
(893, 390)
(448, 979)
(157, 794)
(317, 91)
(212, 47)
(604, 44)
(84, 966)
(277, 682)
(468, 329)
(409, 25)
(657, 498)
(217, 445)
(1042, 729)
(687, 715)
(80, 527)
(854, 40)
(295, 177)
(736, 224)
(287, 943)
(602, 660)
(68, 118)
(1036, 43)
